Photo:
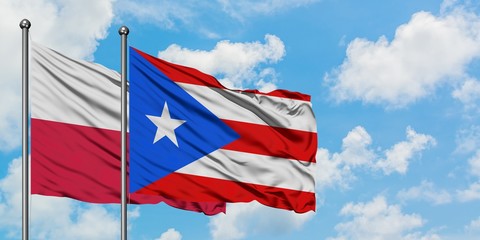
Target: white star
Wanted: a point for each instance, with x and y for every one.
(165, 125)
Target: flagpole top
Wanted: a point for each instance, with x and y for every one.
(25, 24)
(123, 30)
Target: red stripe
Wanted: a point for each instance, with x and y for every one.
(179, 73)
(83, 163)
(273, 141)
(189, 187)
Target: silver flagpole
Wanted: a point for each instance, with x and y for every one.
(25, 26)
(123, 31)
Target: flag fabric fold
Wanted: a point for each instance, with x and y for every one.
(75, 133)
(195, 140)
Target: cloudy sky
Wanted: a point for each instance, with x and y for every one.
(395, 88)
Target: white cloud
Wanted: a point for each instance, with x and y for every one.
(468, 94)
(244, 219)
(411, 66)
(448, 5)
(331, 171)
(91, 222)
(425, 191)
(468, 139)
(11, 196)
(378, 220)
(337, 169)
(355, 150)
(470, 194)
(473, 226)
(134, 213)
(242, 9)
(52, 217)
(69, 26)
(474, 163)
(471, 231)
(170, 234)
(398, 157)
(242, 69)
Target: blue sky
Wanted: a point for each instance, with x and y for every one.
(395, 89)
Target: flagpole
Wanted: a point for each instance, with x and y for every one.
(123, 31)
(25, 26)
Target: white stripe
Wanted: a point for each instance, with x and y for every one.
(73, 91)
(256, 169)
(254, 108)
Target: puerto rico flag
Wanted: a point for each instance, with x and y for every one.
(195, 140)
(75, 133)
